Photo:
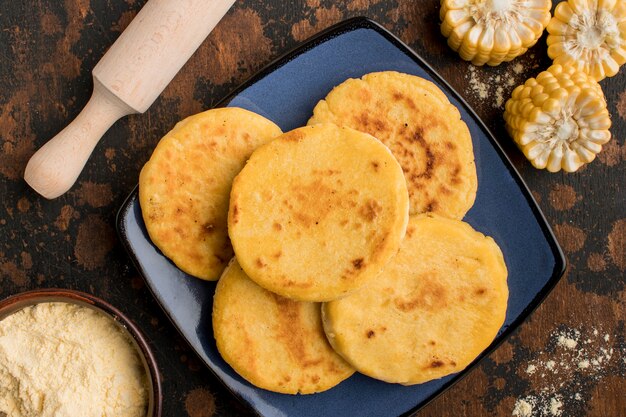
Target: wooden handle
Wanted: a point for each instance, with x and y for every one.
(54, 168)
(128, 78)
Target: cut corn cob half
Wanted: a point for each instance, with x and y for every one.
(590, 35)
(559, 119)
(493, 31)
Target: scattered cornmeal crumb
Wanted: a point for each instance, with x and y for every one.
(523, 408)
(490, 87)
(573, 358)
(567, 342)
(555, 406)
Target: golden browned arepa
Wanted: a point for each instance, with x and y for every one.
(414, 118)
(184, 188)
(273, 342)
(318, 212)
(435, 307)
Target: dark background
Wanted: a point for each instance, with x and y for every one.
(47, 51)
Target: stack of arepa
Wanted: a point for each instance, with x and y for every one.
(349, 248)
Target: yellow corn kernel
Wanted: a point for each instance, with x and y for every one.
(558, 119)
(493, 31)
(589, 35)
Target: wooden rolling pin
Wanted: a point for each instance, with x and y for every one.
(128, 78)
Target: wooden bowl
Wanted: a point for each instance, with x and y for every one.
(19, 301)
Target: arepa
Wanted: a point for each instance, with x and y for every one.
(184, 188)
(317, 212)
(435, 307)
(414, 118)
(273, 342)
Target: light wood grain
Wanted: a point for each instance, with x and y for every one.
(154, 47)
(128, 78)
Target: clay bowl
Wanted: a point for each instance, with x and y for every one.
(19, 301)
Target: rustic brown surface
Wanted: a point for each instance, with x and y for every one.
(48, 49)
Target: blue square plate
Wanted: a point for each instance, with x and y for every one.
(286, 92)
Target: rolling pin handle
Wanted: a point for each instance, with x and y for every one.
(54, 168)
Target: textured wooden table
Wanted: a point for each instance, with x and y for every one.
(48, 49)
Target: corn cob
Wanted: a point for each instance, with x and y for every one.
(590, 35)
(493, 31)
(559, 119)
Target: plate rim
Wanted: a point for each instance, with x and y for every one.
(345, 26)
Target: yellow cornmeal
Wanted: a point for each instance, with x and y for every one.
(61, 359)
